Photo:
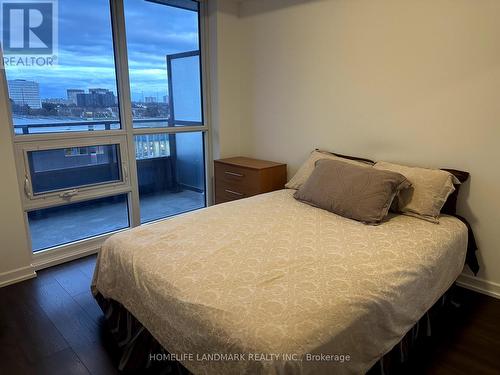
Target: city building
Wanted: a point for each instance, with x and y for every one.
(99, 91)
(150, 99)
(72, 93)
(96, 98)
(57, 101)
(23, 92)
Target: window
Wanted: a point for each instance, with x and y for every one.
(55, 226)
(94, 156)
(166, 91)
(164, 62)
(56, 171)
(80, 93)
(170, 182)
(67, 168)
(185, 88)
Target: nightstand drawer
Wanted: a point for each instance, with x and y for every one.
(236, 176)
(234, 190)
(241, 177)
(225, 194)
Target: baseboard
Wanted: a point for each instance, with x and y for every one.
(17, 275)
(479, 285)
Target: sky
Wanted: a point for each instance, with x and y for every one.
(85, 52)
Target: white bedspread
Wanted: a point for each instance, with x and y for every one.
(268, 281)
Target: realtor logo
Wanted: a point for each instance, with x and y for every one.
(29, 32)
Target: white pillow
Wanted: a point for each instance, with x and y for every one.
(428, 194)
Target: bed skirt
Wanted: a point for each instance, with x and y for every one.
(140, 352)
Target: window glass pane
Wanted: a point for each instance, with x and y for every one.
(71, 167)
(171, 173)
(186, 88)
(78, 91)
(158, 31)
(56, 226)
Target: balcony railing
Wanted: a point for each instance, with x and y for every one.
(147, 146)
(85, 125)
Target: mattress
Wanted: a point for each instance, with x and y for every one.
(270, 285)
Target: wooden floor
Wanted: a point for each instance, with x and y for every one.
(52, 325)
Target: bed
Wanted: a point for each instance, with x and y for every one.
(270, 285)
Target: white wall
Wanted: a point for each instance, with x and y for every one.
(225, 78)
(15, 256)
(412, 81)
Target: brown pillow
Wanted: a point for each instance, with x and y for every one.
(356, 192)
(308, 167)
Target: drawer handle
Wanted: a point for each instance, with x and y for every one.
(234, 174)
(233, 192)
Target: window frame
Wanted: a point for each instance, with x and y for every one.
(172, 120)
(55, 197)
(121, 50)
(124, 136)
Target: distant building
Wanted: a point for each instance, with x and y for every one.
(99, 91)
(72, 93)
(150, 99)
(97, 98)
(24, 92)
(55, 101)
(165, 99)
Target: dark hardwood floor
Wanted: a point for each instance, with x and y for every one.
(52, 325)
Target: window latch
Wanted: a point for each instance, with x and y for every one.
(27, 187)
(68, 194)
(125, 173)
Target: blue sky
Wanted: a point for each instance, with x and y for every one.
(86, 51)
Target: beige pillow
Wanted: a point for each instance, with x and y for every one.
(429, 191)
(352, 191)
(307, 168)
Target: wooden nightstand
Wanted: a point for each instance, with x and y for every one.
(241, 177)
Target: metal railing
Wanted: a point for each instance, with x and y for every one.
(147, 146)
(89, 125)
(150, 146)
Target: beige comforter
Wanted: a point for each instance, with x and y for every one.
(264, 283)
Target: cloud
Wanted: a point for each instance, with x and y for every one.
(86, 57)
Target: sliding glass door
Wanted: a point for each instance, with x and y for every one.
(112, 133)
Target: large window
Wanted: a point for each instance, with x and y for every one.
(166, 91)
(161, 82)
(113, 135)
(80, 93)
